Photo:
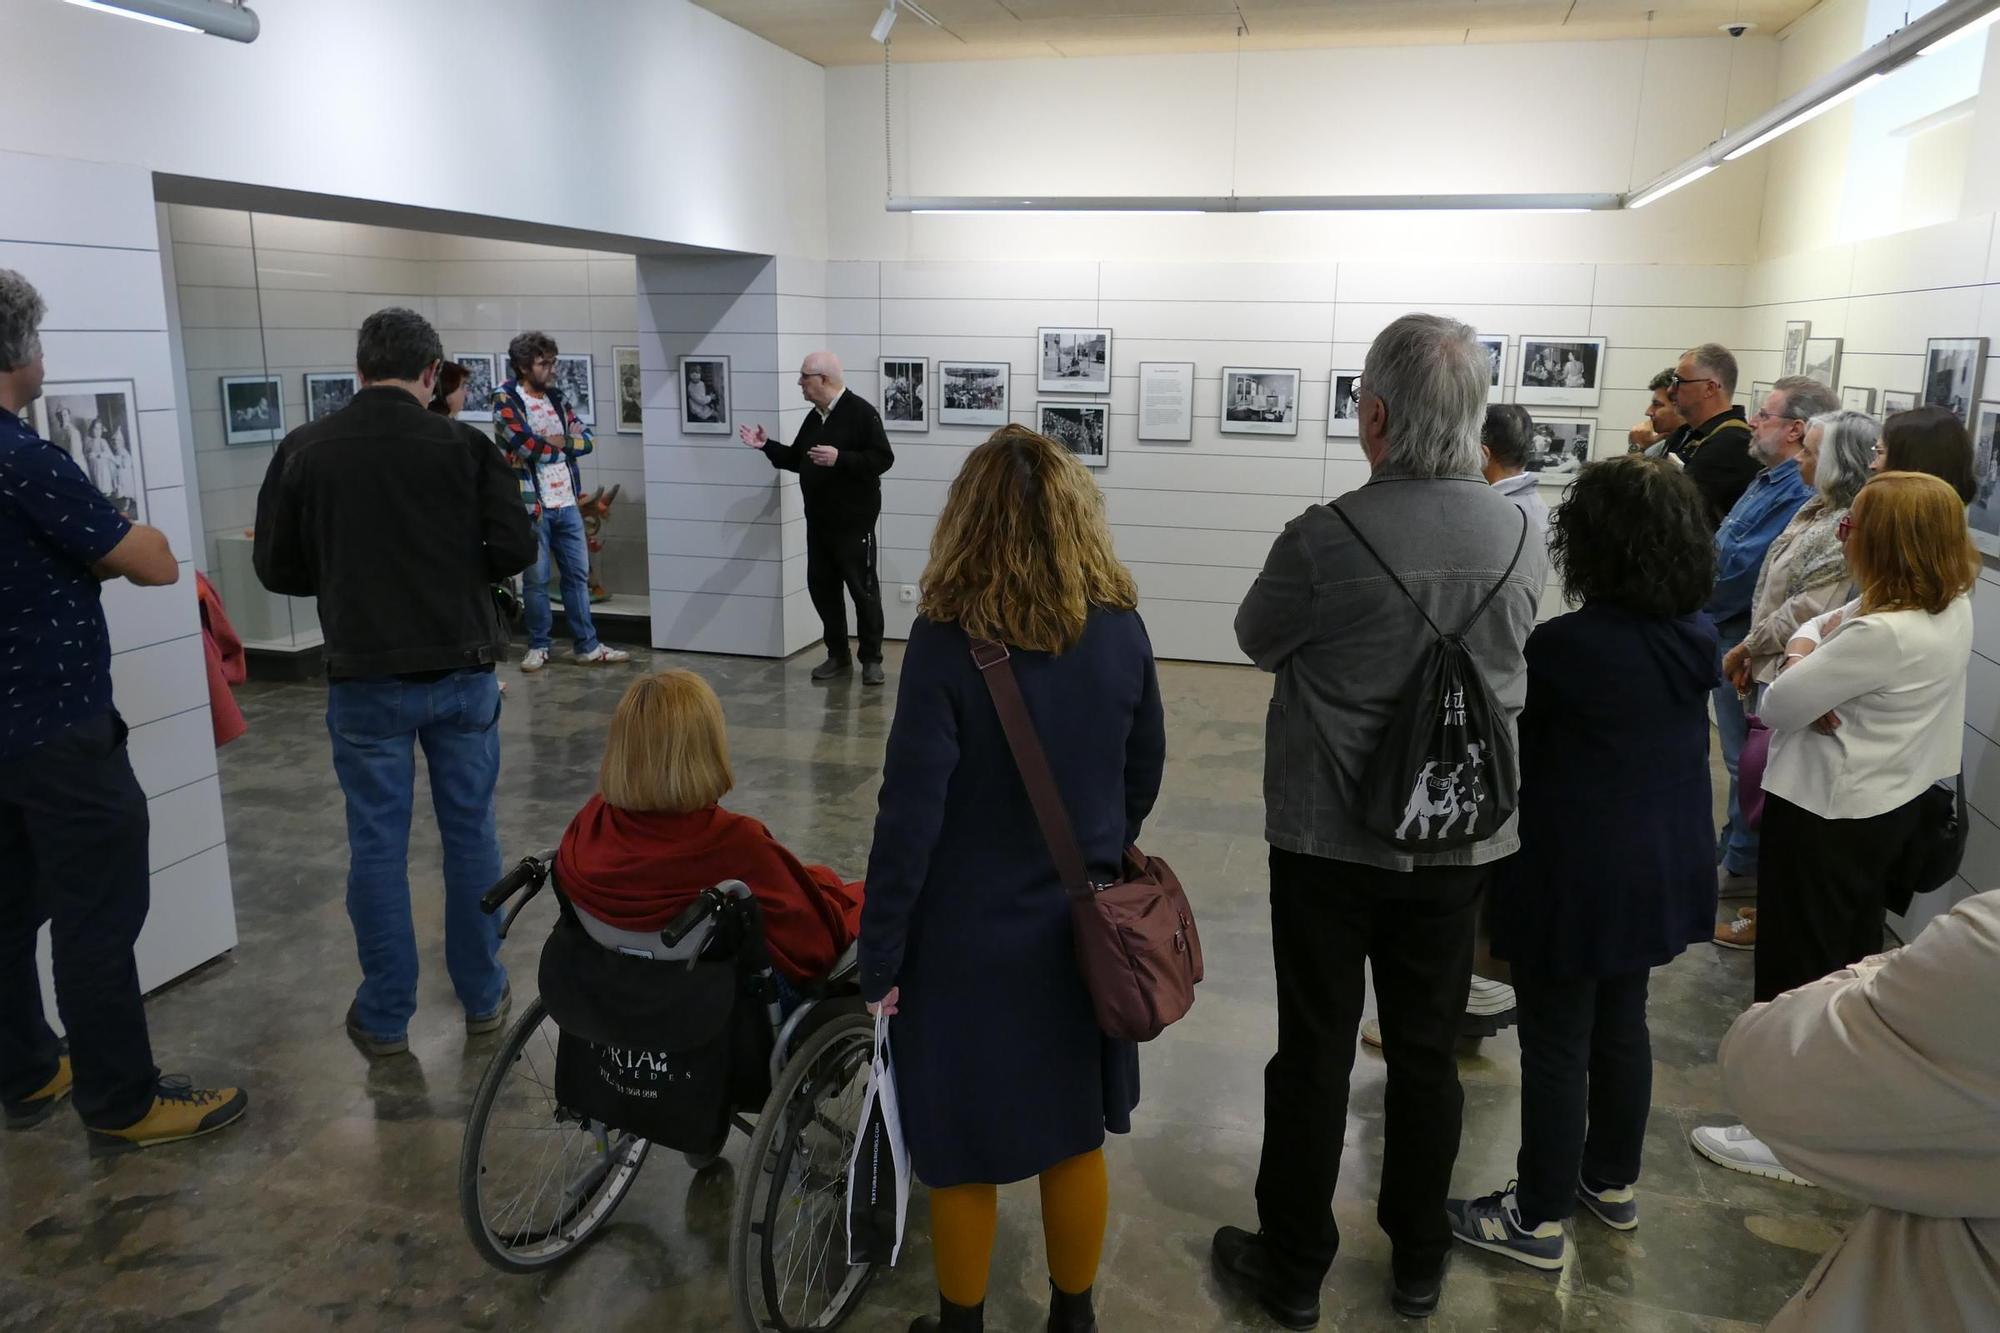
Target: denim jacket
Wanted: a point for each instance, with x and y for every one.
(1343, 641)
(1745, 538)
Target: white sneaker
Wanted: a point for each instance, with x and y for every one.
(1735, 1147)
(1487, 998)
(603, 654)
(534, 659)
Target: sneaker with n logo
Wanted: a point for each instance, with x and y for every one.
(1493, 1222)
(179, 1111)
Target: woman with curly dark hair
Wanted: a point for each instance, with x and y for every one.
(1616, 872)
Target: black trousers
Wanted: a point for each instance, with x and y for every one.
(1586, 1086)
(1820, 890)
(842, 560)
(1328, 918)
(73, 852)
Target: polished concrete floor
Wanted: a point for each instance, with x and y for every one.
(333, 1205)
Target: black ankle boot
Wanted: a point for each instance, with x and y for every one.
(1071, 1314)
(953, 1319)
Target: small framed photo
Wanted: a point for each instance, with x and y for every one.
(1558, 449)
(1166, 401)
(1954, 369)
(329, 391)
(1894, 401)
(1983, 514)
(1074, 361)
(1823, 361)
(1854, 398)
(1759, 391)
(705, 395)
(482, 377)
(1257, 400)
(1496, 352)
(1082, 428)
(972, 393)
(631, 396)
(906, 388)
(253, 409)
(1343, 410)
(1560, 372)
(578, 388)
(1794, 361)
(96, 422)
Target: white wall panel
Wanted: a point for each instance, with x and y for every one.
(174, 751)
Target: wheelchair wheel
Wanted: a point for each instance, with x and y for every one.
(535, 1181)
(788, 1239)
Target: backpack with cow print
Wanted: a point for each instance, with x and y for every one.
(1444, 774)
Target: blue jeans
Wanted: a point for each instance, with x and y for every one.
(559, 535)
(1735, 841)
(376, 723)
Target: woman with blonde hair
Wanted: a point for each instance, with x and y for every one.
(654, 836)
(1866, 713)
(1001, 1069)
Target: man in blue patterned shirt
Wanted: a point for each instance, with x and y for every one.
(73, 822)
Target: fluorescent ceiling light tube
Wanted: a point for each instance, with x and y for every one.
(1810, 113)
(217, 18)
(1662, 191)
(1980, 24)
(153, 19)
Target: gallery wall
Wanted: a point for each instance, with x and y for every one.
(86, 236)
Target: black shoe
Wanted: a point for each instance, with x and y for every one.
(1419, 1299)
(872, 673)
(952, 1319)
(832, 667)
(1071, 1314)
(373, 1046)
(1241, 1258)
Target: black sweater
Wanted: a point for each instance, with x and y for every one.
(848, 494)
(398, 520)
(1719, 462)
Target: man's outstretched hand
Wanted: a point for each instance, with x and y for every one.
(753, 436)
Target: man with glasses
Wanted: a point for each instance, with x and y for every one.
(1767, 504)
(840, 455)
(1715, 444)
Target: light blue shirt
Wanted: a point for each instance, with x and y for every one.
(1745, 537)
(1523, 490)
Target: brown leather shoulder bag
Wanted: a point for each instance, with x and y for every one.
(1136, 942)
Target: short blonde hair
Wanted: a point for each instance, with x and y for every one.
(1908, 545)
(1022, 551)
(669, 749)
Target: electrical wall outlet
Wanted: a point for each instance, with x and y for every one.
(908, 593)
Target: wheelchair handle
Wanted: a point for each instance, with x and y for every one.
(701, 909)
(530, 874)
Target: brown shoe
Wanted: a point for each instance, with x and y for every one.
(40, 1104)
(180, 1111)
(1738, 934)
(1747, 913)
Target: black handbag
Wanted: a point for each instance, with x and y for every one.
(1936, 849)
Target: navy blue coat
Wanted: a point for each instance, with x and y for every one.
(1616, 872)
(1001, 1070)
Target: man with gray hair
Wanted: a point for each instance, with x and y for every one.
(1344, 639)
(1714, 442)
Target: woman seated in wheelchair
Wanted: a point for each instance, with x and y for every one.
(654, 837)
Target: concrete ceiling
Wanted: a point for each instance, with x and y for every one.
(835, 32)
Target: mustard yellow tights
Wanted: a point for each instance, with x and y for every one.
(1075, 1199)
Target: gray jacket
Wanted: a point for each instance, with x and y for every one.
(1344, 641)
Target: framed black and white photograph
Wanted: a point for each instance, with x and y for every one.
(906, 392)
(253, 409)
(1082, 428)
(1894, 401)
(578, 388)
(1823, 361)
(1854, 398)
(1557, 449)
(1560, 372)
(631, 394)
(1496, 354)
(1258, 400)
(1794, 360)
(704, 395)
(482, 377)
(1074, 361)
(1166, 401)
(1983, 514)
(972, 393)
(96, 423)
(1343, 411)
(328, 391)
(1953, 371)
(1759, 391)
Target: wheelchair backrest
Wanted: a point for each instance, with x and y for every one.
(648, 944)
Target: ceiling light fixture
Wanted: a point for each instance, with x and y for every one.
(887, 19)
(218, 18)
(1243, 203)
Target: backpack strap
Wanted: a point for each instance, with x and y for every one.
(1478, 611)
(1033, 763)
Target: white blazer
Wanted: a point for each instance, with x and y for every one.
(1897, 681)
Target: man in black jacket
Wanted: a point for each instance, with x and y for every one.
(399, 520)
(840, 456)
(1714, 444)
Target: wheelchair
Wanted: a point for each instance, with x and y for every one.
(537, 1179)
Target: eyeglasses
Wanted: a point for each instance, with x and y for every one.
(805, 375)
(1844, 527)
(1679, 380)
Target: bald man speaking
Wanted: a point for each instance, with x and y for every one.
(840, 456)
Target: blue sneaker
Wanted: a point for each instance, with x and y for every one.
(1494, 1223)
(1616, 1208)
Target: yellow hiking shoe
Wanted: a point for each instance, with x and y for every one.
(38, 1106)
(180, 1111)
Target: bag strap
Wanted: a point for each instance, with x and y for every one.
(1033, 763)
(1478, 611)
